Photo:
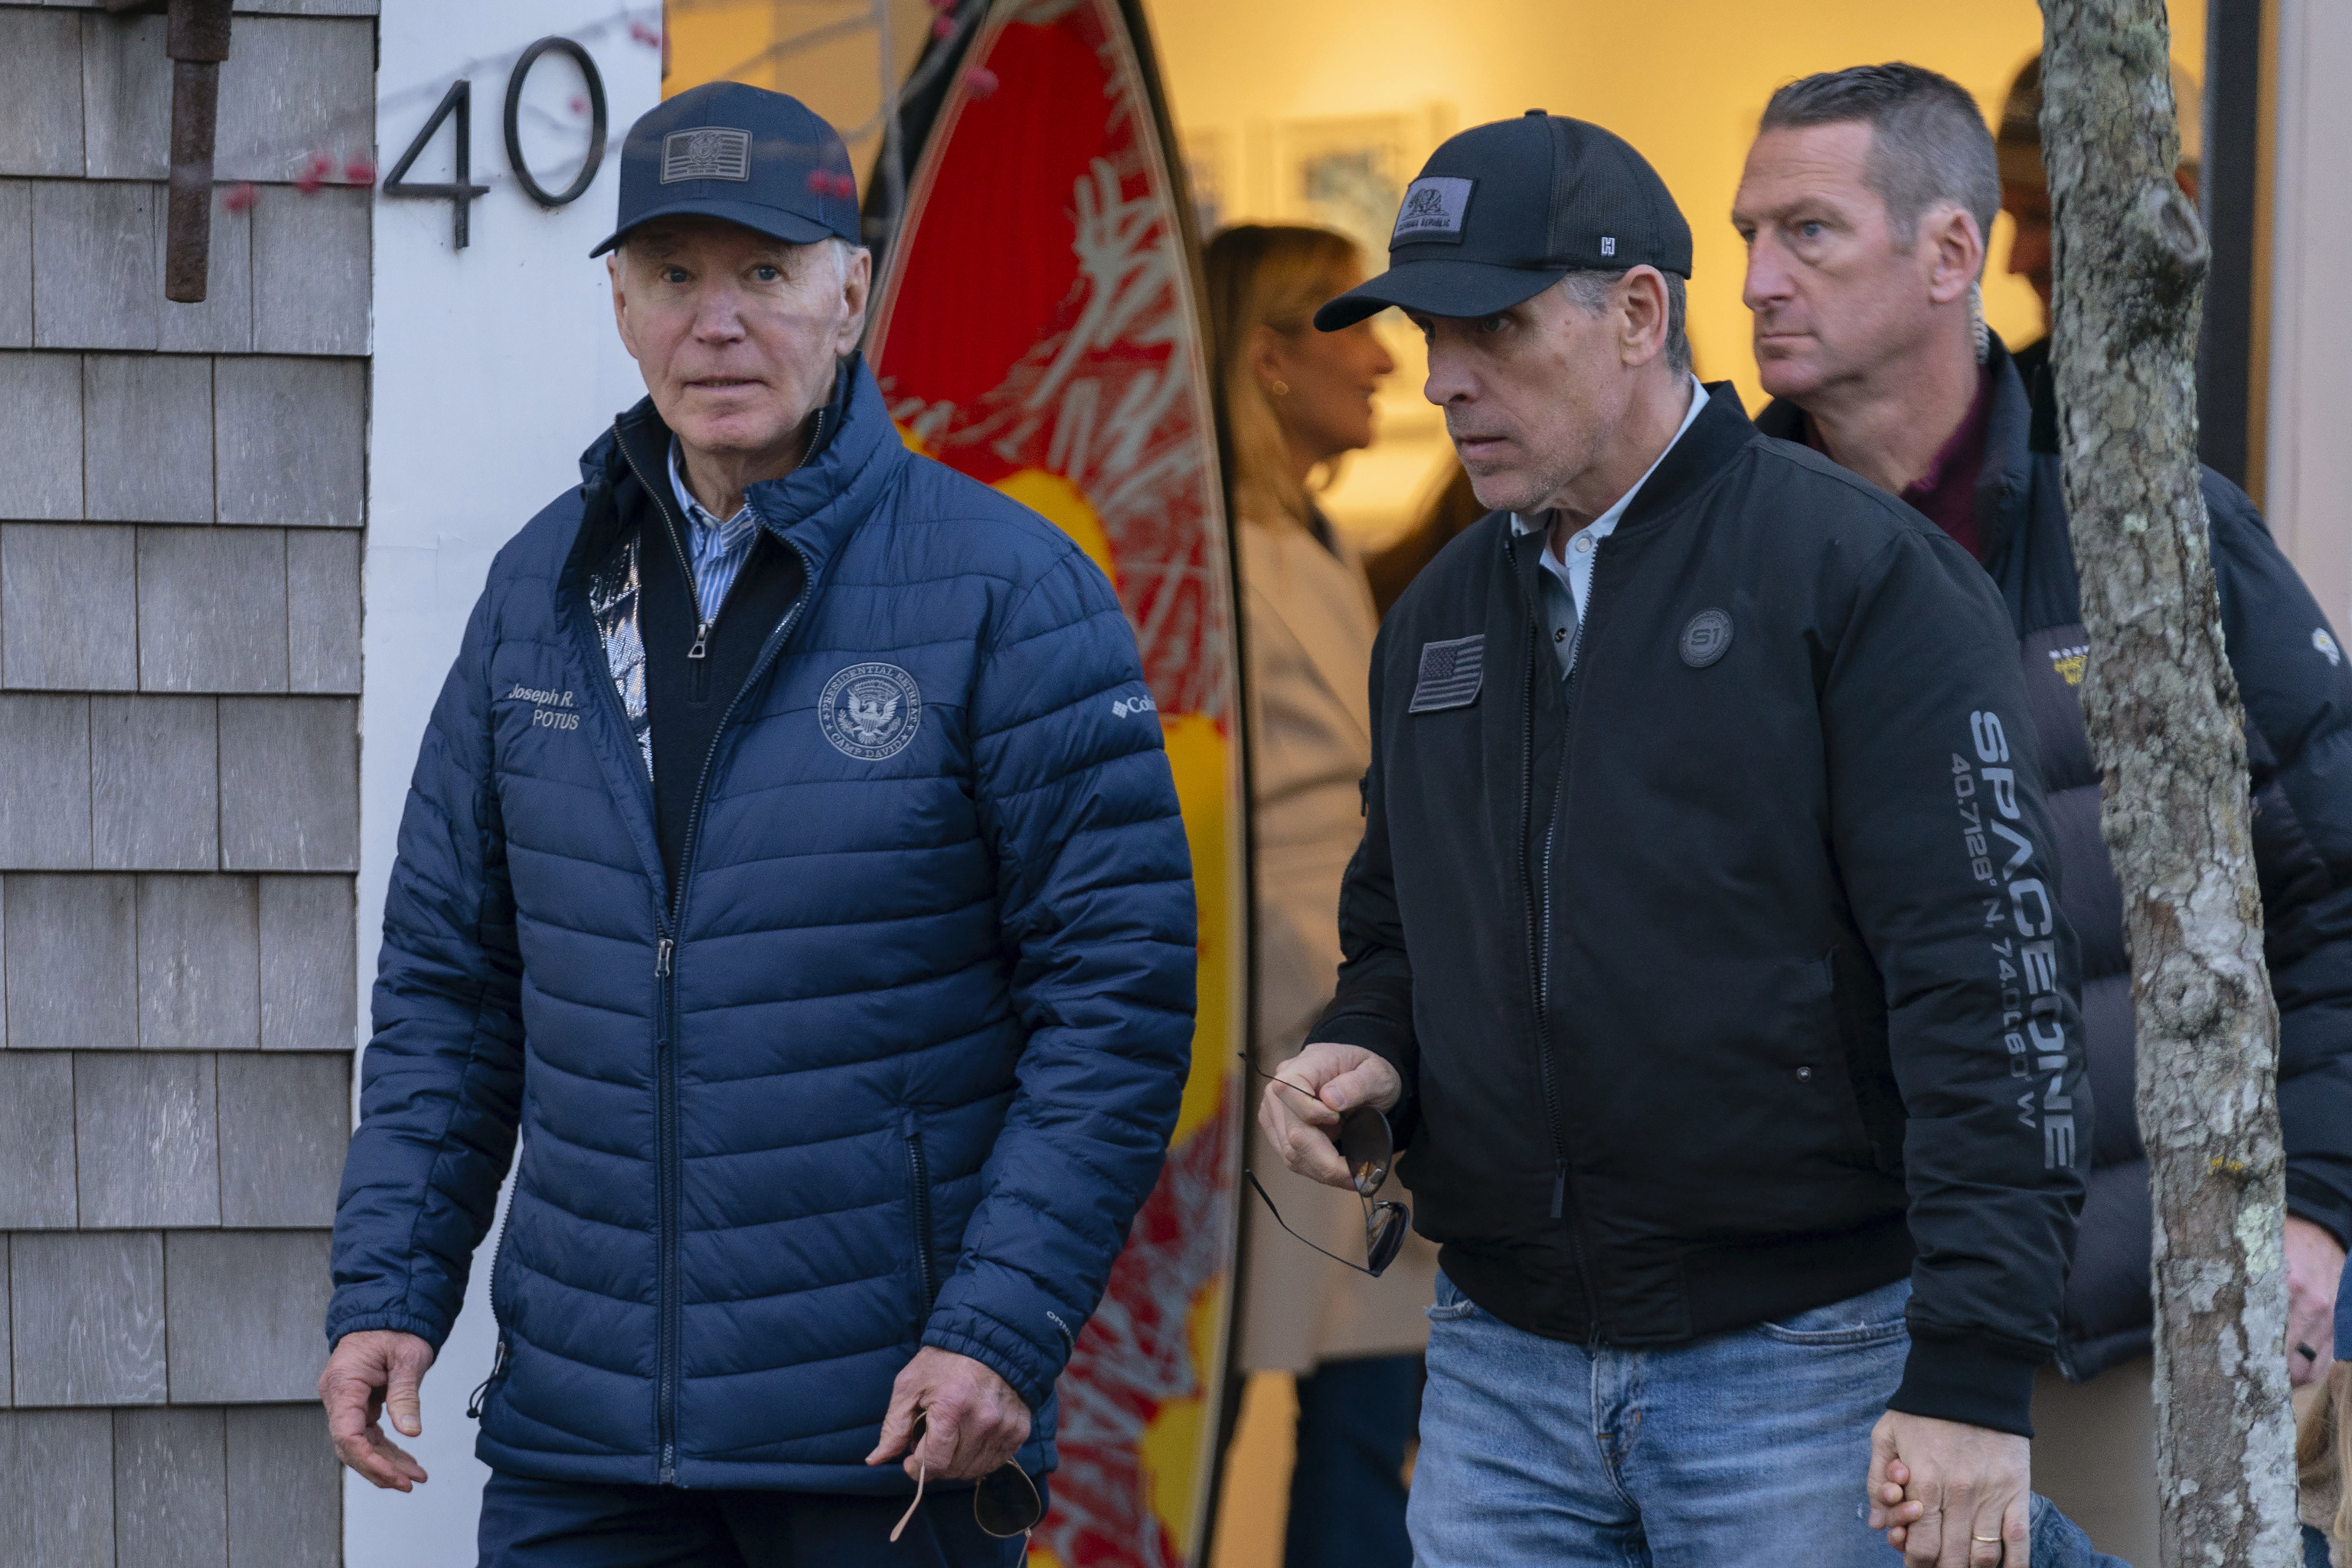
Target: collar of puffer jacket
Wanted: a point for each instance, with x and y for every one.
(816, 507)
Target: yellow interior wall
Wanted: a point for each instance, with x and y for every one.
(1231, 64)
(1684, 80)
(823, 52)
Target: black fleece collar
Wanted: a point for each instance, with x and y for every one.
(2005, 483)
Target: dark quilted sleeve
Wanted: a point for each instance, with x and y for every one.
(1096, 897)
(442, 1080)
(2297, 688)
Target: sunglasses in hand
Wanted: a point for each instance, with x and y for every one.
(1004, 1503)
(1365, 1144)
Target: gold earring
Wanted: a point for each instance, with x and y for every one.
(1279, 388)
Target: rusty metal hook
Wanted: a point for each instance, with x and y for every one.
(196, 42)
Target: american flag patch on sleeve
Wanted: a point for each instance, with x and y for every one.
(1451, 672)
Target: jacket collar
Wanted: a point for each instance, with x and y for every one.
(816, 507)
(2004, 484)
(1720, 434)
(1715, 438)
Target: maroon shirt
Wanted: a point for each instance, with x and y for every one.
(1946, 493)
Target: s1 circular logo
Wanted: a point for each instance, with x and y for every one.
(1707, 639)
(870, 711)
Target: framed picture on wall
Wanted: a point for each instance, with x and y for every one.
(1208, 155)
(1349, 174)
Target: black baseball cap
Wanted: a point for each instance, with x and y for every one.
(742, 153)
(1503, 211)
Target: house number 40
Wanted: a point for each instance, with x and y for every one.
(458, 101)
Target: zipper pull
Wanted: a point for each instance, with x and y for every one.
(701, 641)
(1558, 1187)
(662, 950)
(482, 1393)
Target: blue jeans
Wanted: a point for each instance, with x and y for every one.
(2058, 1541)
(558, 1524)
(1347, 1490)
(1747, 1447)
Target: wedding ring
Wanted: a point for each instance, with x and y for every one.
(1985, 1539)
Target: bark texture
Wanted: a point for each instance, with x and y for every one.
(2162, 710)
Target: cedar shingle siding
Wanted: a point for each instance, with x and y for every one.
(180, 511)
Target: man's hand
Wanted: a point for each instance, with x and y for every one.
(1302, 1106)
(973, 1421)
(1939, 1488)
(369, 1372)
(2314, 1264)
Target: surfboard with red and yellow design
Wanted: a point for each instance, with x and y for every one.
(1036, 327)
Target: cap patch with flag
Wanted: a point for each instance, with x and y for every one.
(706, 152)
(1553, 195)
(1434, 209)
(1451, 673)
(740, 154)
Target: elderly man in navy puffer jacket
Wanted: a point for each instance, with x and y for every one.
(790, 860)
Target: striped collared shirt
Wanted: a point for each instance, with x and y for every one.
(719, 548)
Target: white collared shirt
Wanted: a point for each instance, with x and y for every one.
(1568, 584)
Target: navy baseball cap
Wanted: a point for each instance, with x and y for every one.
(742, 153)
(1502, 211)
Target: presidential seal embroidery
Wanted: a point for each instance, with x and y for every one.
(1707, 639)
(870, 711)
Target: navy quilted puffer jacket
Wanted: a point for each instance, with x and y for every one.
(898, 1069)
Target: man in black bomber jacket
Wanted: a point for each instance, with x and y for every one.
(1705, 946)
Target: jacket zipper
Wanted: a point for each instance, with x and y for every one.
(666, 955)
(918, 1178)
(1536, 904)
(664, 946)
(698, 675)
(666, 1061)
(480, 1396)
(664, 967)
(1584, 614)
(698, 652)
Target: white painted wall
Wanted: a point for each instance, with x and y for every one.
(495, 366)
(2308, 484)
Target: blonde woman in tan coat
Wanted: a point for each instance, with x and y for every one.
(1295, 400)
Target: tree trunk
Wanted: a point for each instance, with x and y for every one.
(2161, 705)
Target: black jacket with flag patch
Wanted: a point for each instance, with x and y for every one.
(2298, 695)
(1729, 979)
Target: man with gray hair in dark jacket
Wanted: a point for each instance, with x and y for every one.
(1865, 205)
(1704, 950)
